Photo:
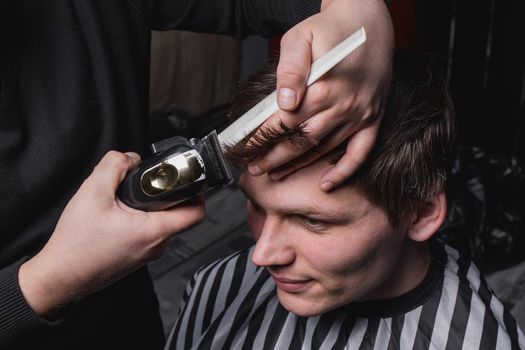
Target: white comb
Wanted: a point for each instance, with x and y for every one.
(252, 119)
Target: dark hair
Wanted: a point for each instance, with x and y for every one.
(413, 151)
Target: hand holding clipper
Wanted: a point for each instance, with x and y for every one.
(179, 170)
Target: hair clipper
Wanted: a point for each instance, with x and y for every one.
(178, 170)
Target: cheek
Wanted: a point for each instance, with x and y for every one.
(351, 253)
(333, 257)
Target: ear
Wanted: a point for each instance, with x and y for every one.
(429, 218)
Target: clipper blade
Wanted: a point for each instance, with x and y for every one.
(220, 173)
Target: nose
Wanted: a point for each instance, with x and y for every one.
(273, 247)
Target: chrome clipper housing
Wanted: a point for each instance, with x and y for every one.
(178, 170)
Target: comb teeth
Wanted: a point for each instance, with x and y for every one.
(252, 119)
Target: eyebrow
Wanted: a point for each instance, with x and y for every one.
(309, 210)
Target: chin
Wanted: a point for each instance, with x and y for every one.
(302, 306)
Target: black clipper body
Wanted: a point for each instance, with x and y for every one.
(179, 170)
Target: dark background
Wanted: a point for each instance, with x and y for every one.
(483, 47)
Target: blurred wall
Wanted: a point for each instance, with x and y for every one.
(196, 71)
(482, 44)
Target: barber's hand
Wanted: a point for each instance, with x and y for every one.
(98, 239)
(347, 102)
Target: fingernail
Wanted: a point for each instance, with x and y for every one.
(275, 175)
(327, 186)
(133, 155)
(287, 98)
(254, 170)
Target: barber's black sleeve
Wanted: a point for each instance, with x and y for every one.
(17, 319)
(238, 18)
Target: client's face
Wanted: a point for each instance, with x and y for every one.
(323, 250)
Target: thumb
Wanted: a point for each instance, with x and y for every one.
(293, 70)
(112, 169)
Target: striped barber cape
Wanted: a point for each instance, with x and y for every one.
(232, 304)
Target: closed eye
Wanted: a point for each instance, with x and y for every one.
(313, 224)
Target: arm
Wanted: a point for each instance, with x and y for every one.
(346, 103)
(98, 240)
(238, 18)
(16, 317)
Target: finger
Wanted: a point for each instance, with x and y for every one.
(318, 98)
(334, 139)
(315, 129)
(357, 150)
(325, 131)
(112, 169)
(293, 68)
(178, 218)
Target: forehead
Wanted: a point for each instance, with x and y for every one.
(300, 192)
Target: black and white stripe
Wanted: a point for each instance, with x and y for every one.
(232, 304)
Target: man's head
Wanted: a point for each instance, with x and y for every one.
(364, 240)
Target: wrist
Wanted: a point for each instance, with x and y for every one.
(40, 292)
